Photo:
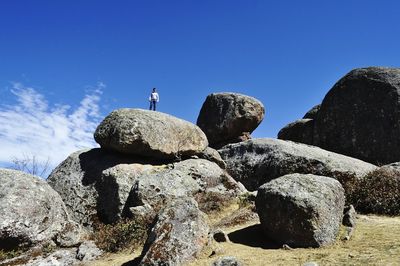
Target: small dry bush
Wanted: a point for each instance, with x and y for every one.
(378, 192)
(9, 254)
(119, 236)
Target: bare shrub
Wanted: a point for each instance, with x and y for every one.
(119, 236)
(377, 192)
(31, 165)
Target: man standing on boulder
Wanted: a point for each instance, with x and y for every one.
(153, 99)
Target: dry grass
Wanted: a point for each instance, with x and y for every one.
(376, 241)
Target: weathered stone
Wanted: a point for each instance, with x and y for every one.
(313, 112)
(220, 236)
(178, 236)
(360, 116)
(299, 131)
(255, 162)
(199, 178)
(155, 189)
(213, 156)
(227, 261)
(301, 210)
(217, 187)
(150, 134)
(62, 257)
(229, 117)
(88, 251)
(31, 212)
(349, 216)
(95, 184)
(70, 235)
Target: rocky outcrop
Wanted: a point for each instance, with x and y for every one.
(149, 134)
(360, 116)
(31, 212)
(301, 210)
(95, 184)
(99, 185)
(301, 130)
(229, 117)
(179, 234)
(255, 162)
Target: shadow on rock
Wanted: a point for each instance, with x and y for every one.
(253, 236)
(134, 262)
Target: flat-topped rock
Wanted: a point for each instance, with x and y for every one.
(150, 134)
(257, 161)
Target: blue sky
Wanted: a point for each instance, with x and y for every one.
(72, 62)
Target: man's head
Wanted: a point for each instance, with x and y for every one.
(154, 89)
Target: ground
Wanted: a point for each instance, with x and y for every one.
(376, 241)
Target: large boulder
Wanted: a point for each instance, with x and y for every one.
(216, 187)
(211, 186)
(257, 161)
(150, 134)
(229, 117)
(360, 116)
(31, 212)
(95, 184)
(301, 130)
(301, 210)
(178, 236)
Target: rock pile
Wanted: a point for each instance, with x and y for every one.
(147, 161)
(158, 169)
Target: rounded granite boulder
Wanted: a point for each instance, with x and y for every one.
(301, 210)
(149, 134)
(229, 117)
(360, 116)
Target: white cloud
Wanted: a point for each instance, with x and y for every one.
(33, 127)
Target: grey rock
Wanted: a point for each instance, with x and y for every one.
(95, 184)
(299, 131)
(257, 161)
(178, 236)
(216, 187)
(62, 257)
(227, 261)
(151, 134)
(88, 251)
(213, 156)
(197, 178)
(70, 235)
(313, 112)
(229, 117)
(360, 116)
(220, 236)
(349, 216)
(301, 210)
(31, 212)
(155, 189)
(310, 263)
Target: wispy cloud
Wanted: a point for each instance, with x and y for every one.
(32, 126)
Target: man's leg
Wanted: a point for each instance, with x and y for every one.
(154, 105)
(151, 105)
